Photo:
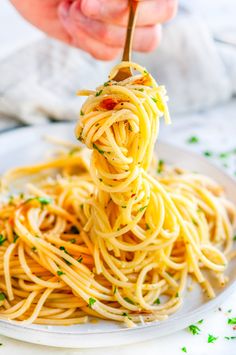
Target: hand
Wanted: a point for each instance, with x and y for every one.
(98, 26)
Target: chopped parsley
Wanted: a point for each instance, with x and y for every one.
(234, 238)
(2, 239)
(184, 349)
(15, 237)
(91, 302)
(114, 291)
(80, 259)
(59, 273)
(145, 71)
(230, 338)
(224, 155)
(200, 321)
(126, 315)
(34, 248)
(73, 240)
(64, 249)
(81, 113)
(98, 93)
(42, 200)
(107, 83)
(157, 301)
(142, 208)
(177, 294)
(123, 206)
(141, 89)
(211, 338)
(154, 99)
(99, 150)
(207, 153)
(127, 299)
(193, 140)
(147, 226)
(2, 296)
(232, 321)
(194, 329)
(160, 166)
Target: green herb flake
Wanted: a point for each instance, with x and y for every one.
(114, 290)
(145, 71)
(157, 301)
(160, 166)
(59, 273)
(81, 113)
(232, 321)
(127, 299)
(2, 296)
(193, 140)
(2, 239)
(154, 99)
(147, 226)
(126, 315)
(123, 206)
(224, 155)
(177, 294)
(15, 237)
(142, 208)
(194, 329)
(234, 238)
(200, 321)
(80, 259)
(230, 338)
(207, 153)
(73, 240)
(184, 349)
(91, 302)
(99, 150)
(34, 249)
(211, 338)
(107, 83)
(98, 93)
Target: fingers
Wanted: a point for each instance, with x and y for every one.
(145, 38)
(82, 40)
(150, 12)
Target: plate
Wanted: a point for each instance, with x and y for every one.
(26, 145)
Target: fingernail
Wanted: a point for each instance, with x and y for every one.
(104, 8)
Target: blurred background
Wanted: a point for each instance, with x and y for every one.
(196, 61)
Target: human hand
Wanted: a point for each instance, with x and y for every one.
(98, 26)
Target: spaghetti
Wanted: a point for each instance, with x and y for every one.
(117, 240)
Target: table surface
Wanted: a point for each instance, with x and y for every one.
(215, 132)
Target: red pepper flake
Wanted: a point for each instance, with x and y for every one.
(109, 103)
(133, 195)
(145, 80)
(234, 327)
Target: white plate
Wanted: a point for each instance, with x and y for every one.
(24, 146)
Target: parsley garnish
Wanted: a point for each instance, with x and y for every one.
(157, 301)
(177, 294)
(207, 153)
(81, 113)
(42, 200)
(154, 99)
(223, 155)
(91, 302)
(123, 206)
(2, 239)
(145, 71)
(127, 299)
(200, 321)
(114, 291)
(126, 315)
(230, 338)
(107, 83)
(232, 321)
(73, 240)
(211, 338)
(2, 296)
(142, 208)
(59, 272)
(234, 238)
(160, 166)
(15, 237)
(33, 248)
(193, 140)
(184, 349)
(80, 259)
(147, 226)
(64, 249)
(98, 93)
(99, 150)
(194, 329)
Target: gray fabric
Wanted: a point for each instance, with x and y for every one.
(40, 81)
